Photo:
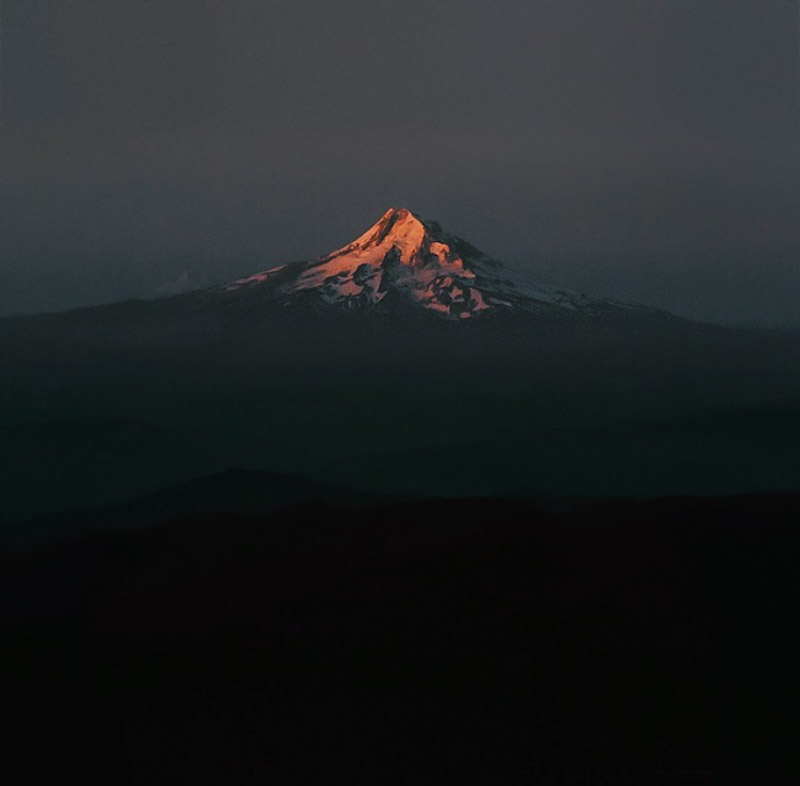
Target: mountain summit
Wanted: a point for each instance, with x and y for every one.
(402, 261)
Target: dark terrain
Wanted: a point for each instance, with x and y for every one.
(107, 404)
(472, 641)
(440, 564)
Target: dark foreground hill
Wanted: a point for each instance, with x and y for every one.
(470, 642)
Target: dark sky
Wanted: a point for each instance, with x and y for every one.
(645, 149)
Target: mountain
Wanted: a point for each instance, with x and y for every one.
(431, 299)
(406, 362)
(407, 274)
(404, 261)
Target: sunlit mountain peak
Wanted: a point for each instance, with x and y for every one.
(404, 261)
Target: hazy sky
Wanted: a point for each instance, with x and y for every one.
(646, 149)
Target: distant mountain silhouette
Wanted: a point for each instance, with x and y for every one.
(235, 491)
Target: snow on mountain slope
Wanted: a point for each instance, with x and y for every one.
(405, 257)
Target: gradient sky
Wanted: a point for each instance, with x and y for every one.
(643, 149)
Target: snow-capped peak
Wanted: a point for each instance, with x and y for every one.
(403, 259)
(396, 227)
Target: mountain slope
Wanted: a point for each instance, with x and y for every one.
(403, 260)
